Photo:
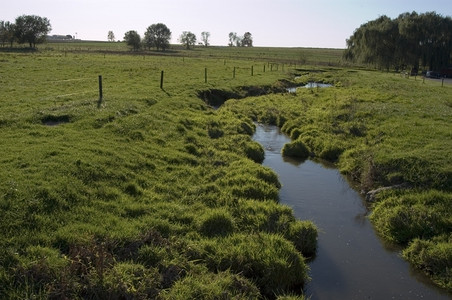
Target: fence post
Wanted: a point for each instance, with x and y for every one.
(205, 75)
(161, 80)
(252, 70)
(99, 102)
(233, 73)
(100, 88)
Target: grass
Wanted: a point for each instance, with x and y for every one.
(381, 130)
(150, 194)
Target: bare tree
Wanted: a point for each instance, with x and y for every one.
(205, 38)
(111, 36)
(232, 38)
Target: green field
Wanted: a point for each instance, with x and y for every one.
(150, 192)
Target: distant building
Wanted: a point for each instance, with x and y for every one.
(57, 37)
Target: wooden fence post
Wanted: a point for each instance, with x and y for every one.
(252, 70)
(100, 88)
(205, 75)
(161, 81)
(233, 73)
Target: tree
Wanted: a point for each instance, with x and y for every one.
(111, 36)
(7, 34)
(411, 40)
(133, 39)
(31, 29)
(234, 39)
(247, 40)
(187, 39)
(158, 36)
(205, 38)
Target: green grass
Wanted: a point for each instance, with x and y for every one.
(141, 194)
(153, 192)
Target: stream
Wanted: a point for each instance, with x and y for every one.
(351, 261)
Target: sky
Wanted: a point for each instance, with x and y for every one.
(272, 23)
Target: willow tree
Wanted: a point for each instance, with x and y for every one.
(410, 40)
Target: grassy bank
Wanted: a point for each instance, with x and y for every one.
(382, 130)
(149, 193)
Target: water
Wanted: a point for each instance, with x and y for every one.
(309, 85)
(351, 261)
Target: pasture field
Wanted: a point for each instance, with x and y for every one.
(151, 193)
(147, 193)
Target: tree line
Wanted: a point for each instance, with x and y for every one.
(158, 36)
(33, 29)
(29, 29)
(411, 40)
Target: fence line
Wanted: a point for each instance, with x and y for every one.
(251, 68)
(68, 80)
(66, 95)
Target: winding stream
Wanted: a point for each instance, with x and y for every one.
(351, 261)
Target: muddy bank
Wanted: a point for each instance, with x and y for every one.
(216, 97)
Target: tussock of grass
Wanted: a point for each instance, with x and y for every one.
(296, 149)
(402, 218)
(434, 257)
(276, 266)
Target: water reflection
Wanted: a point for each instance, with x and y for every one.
(351, 261)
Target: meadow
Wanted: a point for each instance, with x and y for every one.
(148, 193)
(152, 193)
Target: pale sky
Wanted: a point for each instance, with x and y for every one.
(277, 23)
